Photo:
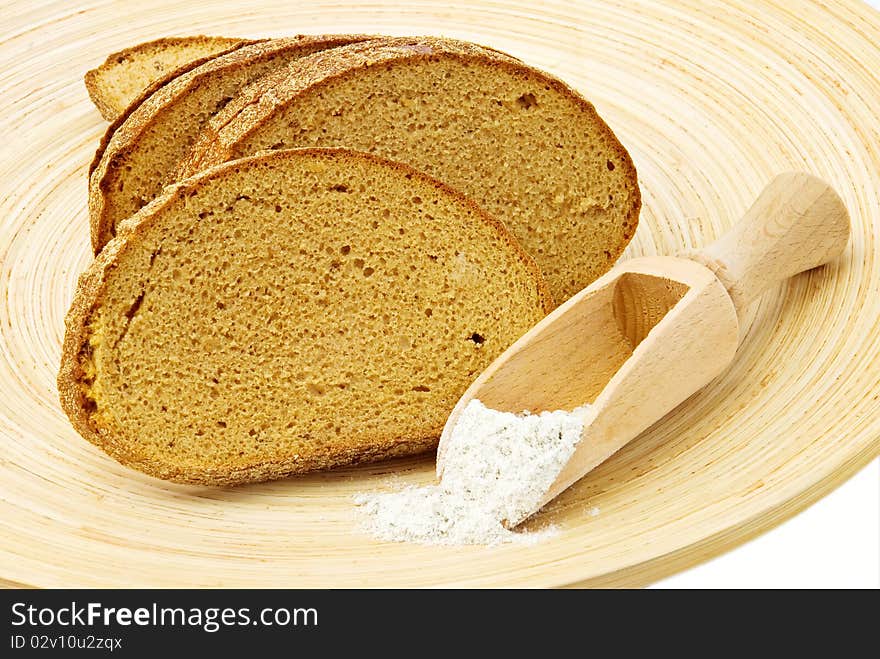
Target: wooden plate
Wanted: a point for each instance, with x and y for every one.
(712, 99)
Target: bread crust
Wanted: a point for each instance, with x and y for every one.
(89, 295)
(243, 116)
(125, 137)
(92, 77)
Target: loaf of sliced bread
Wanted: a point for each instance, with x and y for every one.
(143, 152)
(522, 144)
(287, 312)
(125, 74)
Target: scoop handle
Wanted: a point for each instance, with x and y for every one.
(798, 222)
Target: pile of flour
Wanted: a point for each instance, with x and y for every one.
(498, 466)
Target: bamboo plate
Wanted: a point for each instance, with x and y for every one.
(712, 100)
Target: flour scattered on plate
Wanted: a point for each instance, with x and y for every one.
(498, 465)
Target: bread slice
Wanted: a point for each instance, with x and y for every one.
(125, 74)
(148, 91)
(526, 147)
(287, 312)
(143, 152)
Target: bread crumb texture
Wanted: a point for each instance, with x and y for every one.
(526, 147)
(289, 312)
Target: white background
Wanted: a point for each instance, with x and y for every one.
(833, 544)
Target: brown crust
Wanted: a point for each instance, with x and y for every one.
(92, 77)
(125, 137)
(219, 139)
(90, 291)
(120, 118)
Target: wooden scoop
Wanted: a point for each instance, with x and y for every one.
(654, 330)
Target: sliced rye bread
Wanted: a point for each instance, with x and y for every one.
(124, 75)
(287, 312)
(525, 146)
(149, 91)
(142, 153)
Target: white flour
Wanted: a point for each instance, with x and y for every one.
(498, 466)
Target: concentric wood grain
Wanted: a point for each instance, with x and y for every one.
(711, 98)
